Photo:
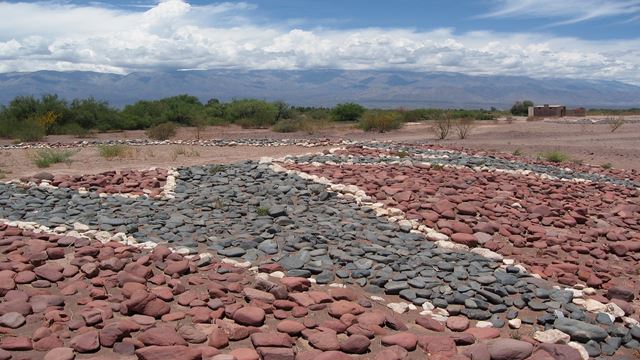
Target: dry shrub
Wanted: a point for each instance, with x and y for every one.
(162, 131)
(509, 119)
(442, 127)
(463, 127)
(380, 121)
(615, 123)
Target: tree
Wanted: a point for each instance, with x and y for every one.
(347, 112)
(521, 108)
(93, 114)
(251, 113)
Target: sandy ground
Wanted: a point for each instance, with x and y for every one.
(18, 163)
(593, 144)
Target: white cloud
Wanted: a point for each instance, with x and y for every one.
(572, 11)
(176, 35)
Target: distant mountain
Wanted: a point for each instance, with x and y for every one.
(324, 88)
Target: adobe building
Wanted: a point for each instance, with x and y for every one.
(547, 110)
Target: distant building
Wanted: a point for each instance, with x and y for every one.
(547, 110)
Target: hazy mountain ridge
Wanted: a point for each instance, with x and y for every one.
(324, 87)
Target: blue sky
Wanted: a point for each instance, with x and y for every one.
(597, 39)
(462, 15)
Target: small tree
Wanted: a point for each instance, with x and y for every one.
(521, 108)
(615, 123)
(442, 127)
(200, 123)
(463, 128)
(347, 112)
(162, 131)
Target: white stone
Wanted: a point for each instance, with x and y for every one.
(508, 261)
(102, 236)
(277, 274)
(594, 305)
(589, 291)
(630, 321)
(436, 236)
(450, 245)
(583, 352)
(515, 323)
(338, 285)
(236, 263)
(614, 310)
(405, 225)
(377, 298)
(400, 307)
(579, 301)
(552, 336)
(487, 253)
(60, 229)
(428, 305)
(484, 324)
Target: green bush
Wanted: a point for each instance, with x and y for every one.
(29, 131)
(73, 129)
(45, 157)
(380, 121)
(113, 151)
(286, 126)
(555, 156)
(252, 113)
(347, 112)
(162, 131)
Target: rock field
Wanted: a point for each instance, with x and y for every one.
(368, 251)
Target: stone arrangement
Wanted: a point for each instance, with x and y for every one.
(130, 182)
(205, 142)
(383, 251)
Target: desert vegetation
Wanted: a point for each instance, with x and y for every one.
(30, 119)
(47, 157)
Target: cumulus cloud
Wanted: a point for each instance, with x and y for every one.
(174, 34)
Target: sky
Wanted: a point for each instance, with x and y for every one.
(587, 39)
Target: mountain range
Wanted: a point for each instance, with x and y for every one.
(373, 88)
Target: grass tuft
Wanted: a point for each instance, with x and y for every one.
(113, 151)
(555, 156)
(607, 166)
(46, 157)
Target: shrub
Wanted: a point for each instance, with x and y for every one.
(555, 156)
(252, 113)
(44, 158)
(380, 121)
(262, 211)
(442, 127)
(162, 131)
(517, 152)
(113, 151)
(347, 112)
(184, 151)
(463, 128)
(607, 166)
(30, 131)
(73, 129)
(286, 126)
(615, 123)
